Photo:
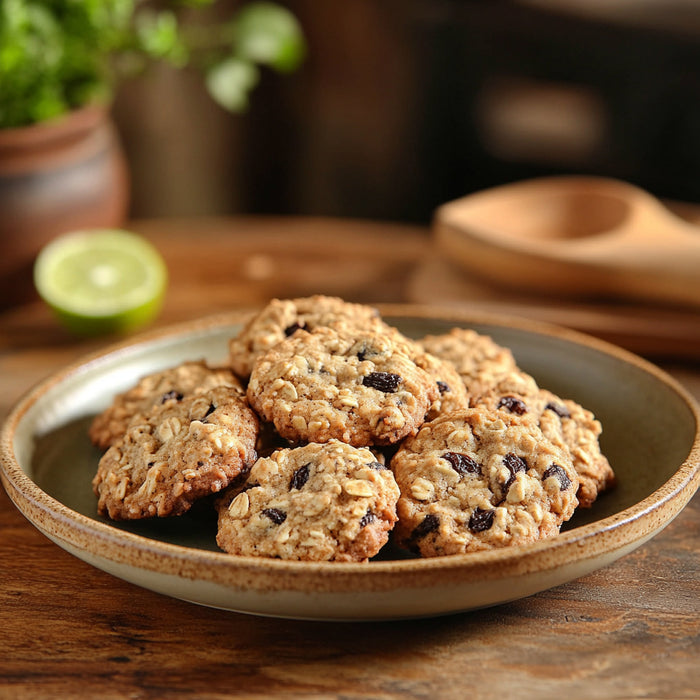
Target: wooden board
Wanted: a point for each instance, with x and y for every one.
(654, 331)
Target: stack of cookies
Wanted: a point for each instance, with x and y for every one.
(330, 432)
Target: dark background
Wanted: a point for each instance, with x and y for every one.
(403, 105)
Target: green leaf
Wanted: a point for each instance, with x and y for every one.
(56, 55)
(159, 36)
(48, 105)
(230, 82)
(269, 34)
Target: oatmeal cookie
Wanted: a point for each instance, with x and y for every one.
(452, 392)
(329, 502)
(172, 384)
(564, 422)
(357, 388)
(478, 359)
(281, 317)
(476, 480)
(514, 392)
(178, 452)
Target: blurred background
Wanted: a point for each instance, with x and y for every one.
(402, 105)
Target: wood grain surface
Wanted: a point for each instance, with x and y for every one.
(67, 630)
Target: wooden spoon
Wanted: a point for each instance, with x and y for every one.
(572, 235)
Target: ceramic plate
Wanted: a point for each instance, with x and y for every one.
(650, 436)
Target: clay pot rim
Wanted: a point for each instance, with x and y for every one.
(72, 124)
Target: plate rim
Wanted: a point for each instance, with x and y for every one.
(623, 528)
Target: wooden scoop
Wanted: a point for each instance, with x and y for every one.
(571, 235)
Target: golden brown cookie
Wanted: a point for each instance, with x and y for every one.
(281, 317)
(360, 388)
(329, 502)
(178, 452)
(452, 392)
(562, 421)
(478, 359)
(478, 479)
(172, 384)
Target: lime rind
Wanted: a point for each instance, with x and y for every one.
(119, 323)
(101, 281)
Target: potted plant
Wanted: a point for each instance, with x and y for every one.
(61, 63)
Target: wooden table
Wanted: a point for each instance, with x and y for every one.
(69, 630)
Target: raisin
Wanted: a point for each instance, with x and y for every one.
(513, 404)
(275, 514)
(443, 387)
(514, 464)
(561, 476)
(210, 410)
(296, 326)
(481, 520)
(561, 410)
(367, 350)
(300, 477)
(430, 522)
(383, 381)
(377, 465)
(462, 464)
(171, 395)
(367, 518)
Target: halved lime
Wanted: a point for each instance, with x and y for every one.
(101, 281)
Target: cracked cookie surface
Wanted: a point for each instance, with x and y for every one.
(360, 388)
(478, 359)
(319, 502)
(175, 382)
(281, 317)
(564, 422)
(180, 451)
(452, 393)
(476, 480)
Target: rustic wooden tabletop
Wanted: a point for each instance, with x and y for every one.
(630, 630)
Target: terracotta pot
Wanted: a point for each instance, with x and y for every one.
(55, 177)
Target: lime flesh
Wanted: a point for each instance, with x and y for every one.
(101, 281)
